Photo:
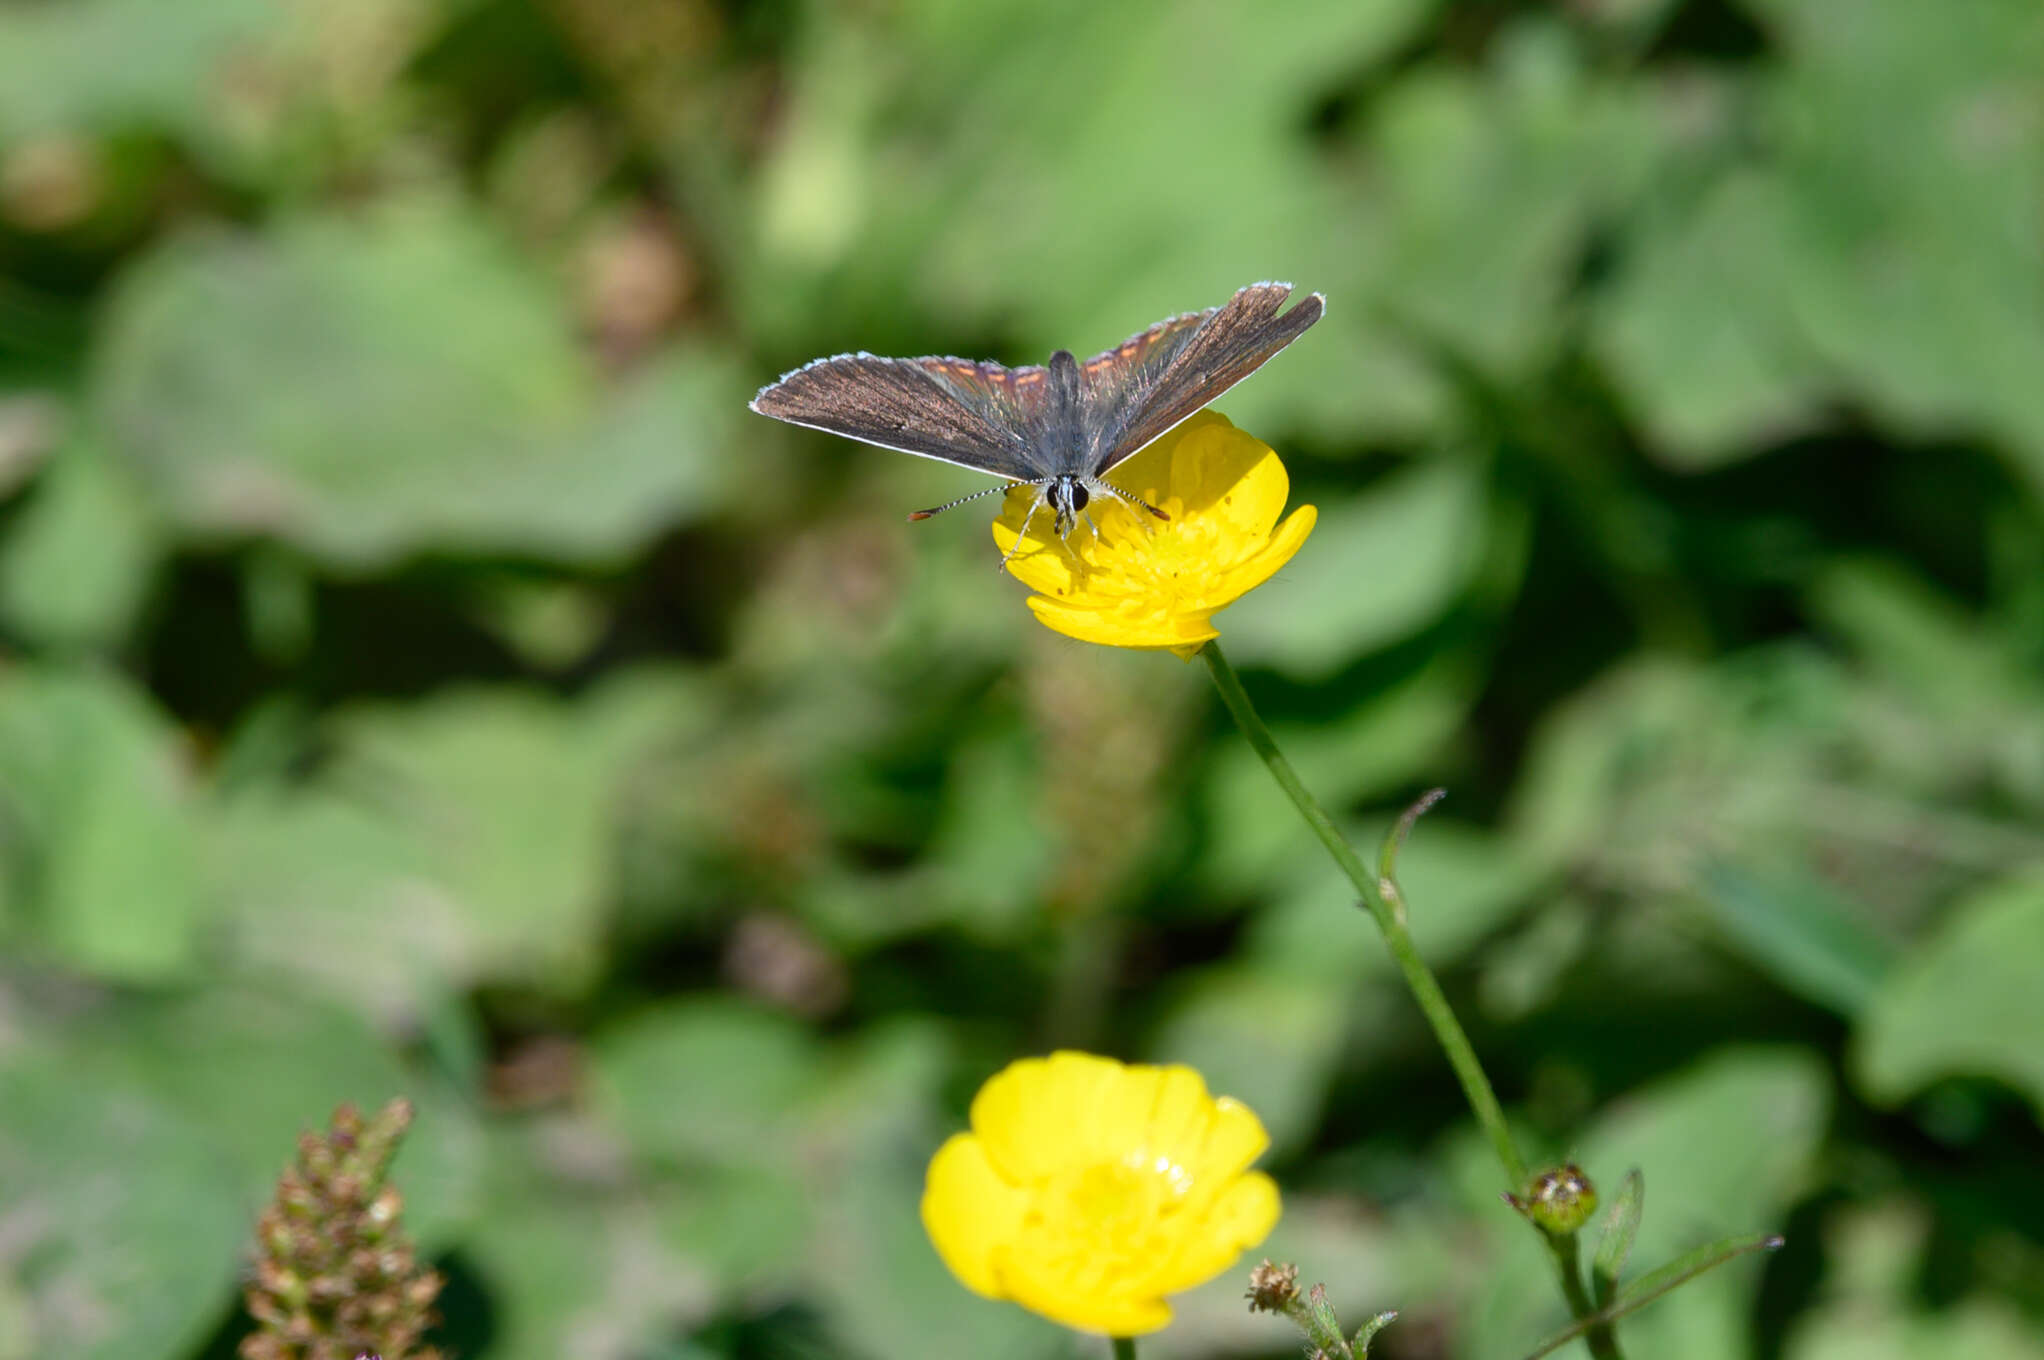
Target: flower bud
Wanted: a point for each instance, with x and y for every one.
(1559, 1200)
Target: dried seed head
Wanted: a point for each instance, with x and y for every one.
(335, 1278)
(1271, 1287)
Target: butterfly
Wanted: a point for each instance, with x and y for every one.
(1059, 427)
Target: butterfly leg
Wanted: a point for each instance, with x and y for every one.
(1035, 504)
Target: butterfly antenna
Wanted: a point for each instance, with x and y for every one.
(1131, 498)
(940, 509)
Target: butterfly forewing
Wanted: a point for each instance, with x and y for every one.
(976, 415)
(1180, 365)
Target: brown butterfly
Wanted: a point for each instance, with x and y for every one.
(1058, 427)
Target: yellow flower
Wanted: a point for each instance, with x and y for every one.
(1145, 582)
(1088, 1190)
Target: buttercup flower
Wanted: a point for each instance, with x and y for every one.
(1146, 582)
(1088, 1190)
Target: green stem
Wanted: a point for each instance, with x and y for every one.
(1598, 1336)
(1124, 1348)
(1418, 977)
(1379, 896)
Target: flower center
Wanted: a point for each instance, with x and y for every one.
(1143, 557)
(1108, 1225)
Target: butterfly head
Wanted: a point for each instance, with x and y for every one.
(1067, 497)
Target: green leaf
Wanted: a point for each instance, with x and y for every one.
(76, 568)
(1272, 1028)
(708, 1082)
(1528, 971)
(1915, 270)
(1934, 651)
(966, 118)
(1964, 1002)
(1270, 1040)
(322, 886)
(507, 795)
(1614, 1245)
(1656, 1283)
(1881, 248)
(875, 1275)
(1376, 569)
(1730, 1143)
(100, 856)
(1368, 1332)
(1490, 186)
(373, 386)
(1389, 737)
(988, 870)
(748, 1226)
(127, 1222)
(1699, 330)
(469, 837)
(1797, 928)
(559, 1257)
(253, 1067)
(1870, 1303)
(1979, 1328)
(107, 65)
(1459, 882)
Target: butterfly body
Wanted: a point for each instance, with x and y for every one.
(1059, 427)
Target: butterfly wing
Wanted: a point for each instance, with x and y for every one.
(1115, 382)
(975, 415)
(1154, 380)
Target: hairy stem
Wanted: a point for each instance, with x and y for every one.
(1380, 899)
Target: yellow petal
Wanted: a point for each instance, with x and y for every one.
(1090, 1189)
(1230, 474)
(1128, 579)
(1025, 1114)
(1094, 624)
(1042, 563)
(1106, 1314)
(1146, 1115)
(1240, 1218)
(1266, 563)
(1211, 1140)
(970, 1212)
(1232, 1139)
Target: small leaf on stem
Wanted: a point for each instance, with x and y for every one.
(1621, 1226)
(1387, 858)
(1370, 1329)
(1654, 1284)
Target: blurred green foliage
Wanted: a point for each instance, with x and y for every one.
(421, 676)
